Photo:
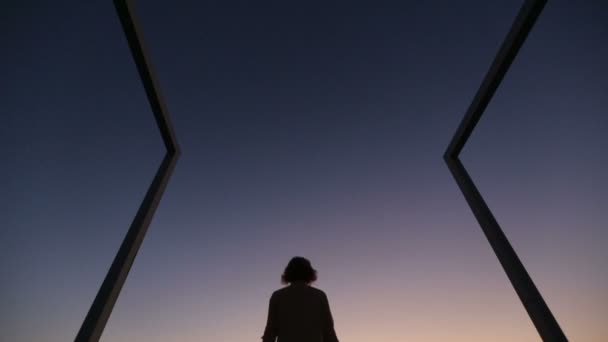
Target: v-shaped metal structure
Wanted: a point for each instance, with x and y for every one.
(537, 309)
(102, 306)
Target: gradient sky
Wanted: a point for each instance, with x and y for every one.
(311, 128)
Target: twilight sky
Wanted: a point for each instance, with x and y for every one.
(311, 128)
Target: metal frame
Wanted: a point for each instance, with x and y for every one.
(537, 309)
(102, 306)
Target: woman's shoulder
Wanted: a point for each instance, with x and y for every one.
(317, 291)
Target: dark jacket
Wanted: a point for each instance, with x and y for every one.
(299, 313)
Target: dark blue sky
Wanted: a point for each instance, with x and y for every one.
(308, 128)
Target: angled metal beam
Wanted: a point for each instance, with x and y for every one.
(102, 306)
(537, 309)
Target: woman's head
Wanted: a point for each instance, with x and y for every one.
(299, 269)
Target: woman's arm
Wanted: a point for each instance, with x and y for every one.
(270, 332)
(329, 334)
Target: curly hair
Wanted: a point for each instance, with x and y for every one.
(299, 269)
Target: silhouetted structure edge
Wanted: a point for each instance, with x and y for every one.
(537, 309)
(99, 312)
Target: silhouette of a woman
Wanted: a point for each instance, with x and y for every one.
(299, 312)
